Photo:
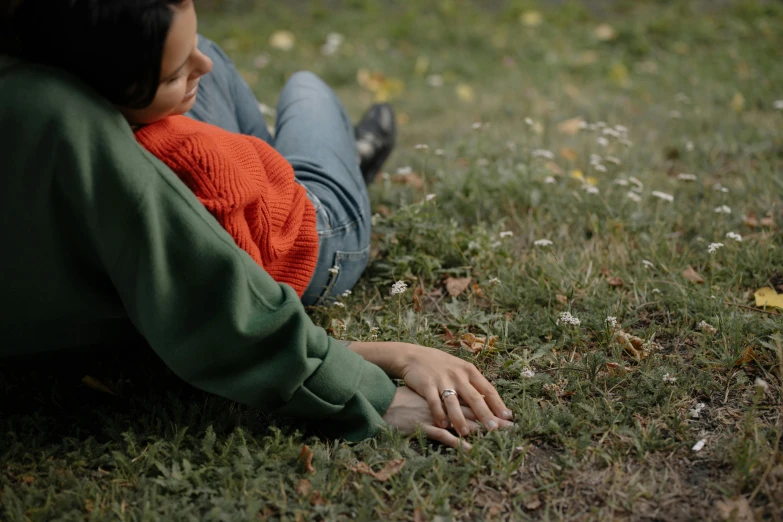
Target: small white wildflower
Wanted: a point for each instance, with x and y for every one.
(663, 195)
(600, 168)
(689, 146)
(435, 80)
(613, 160)
(686, 177)
(633, 196)
(636, 182)
(550, 179)
(495, 244)
(543, 153)
(347, 293)
(399, 288)
(583, 125)
(494, 281)
(527, 373)
(600, 124)
(628, 143)
(506, 233)
(542, 242)
(333, 43)
(675, 115)
(621, 181)
(695, 412)
(682, 98)
(429, 197)
(602, 141)
(595, 159)
(778, 104)
(761, 383)
(568, 319)
(334, 270)
(440, 152)
(699, 445)
(648, 264)
(421, 146)
(482, 162)
(612, 322)
(529, 122)
(656, 291)
(338, 304)
(723, 209)
(669, 379)
(714, 247)
(622, 129)
(590, 189)
(734, 236)
(477, 125)
(611, 132)
(404, 171)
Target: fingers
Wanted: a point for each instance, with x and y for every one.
(479, 406)
(445, 437)
(491, 395)
(455, 414)
(436, 407)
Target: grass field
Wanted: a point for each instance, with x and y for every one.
(632, 136)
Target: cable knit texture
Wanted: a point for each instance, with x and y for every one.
(249, 188)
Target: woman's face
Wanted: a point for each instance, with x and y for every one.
(181, 67)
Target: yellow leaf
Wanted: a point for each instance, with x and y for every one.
(422, 65)
(605, 32)
(531, 18)
(571, 126)
(577, 174)
(465, 93)
(618, 73)
(476, 344)
(568, 154)
(768, 297)
(282, 40)
(738, 102)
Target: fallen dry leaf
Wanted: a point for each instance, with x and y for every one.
(98, 385)
(307, 455)
(615, 281)
(768, 297)
(389, 470)
(533, 503)
(476, 344)
(456, 285)
(748, 355)
(28, 479)
(413, 179)
(692, 275)
(282, 40)
(553, 167)
(560, 298)
(614, 368)
(736, 510)
(418, 515)
(570, 127)
(303, 488)
(738, 102)
(316, 499)
(635, 346)
(605, 32)
(568, 154)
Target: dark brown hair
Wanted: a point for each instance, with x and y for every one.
(114, 46)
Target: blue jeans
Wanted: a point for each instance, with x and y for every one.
(314, 133)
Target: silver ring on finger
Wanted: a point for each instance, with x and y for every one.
(446, 393)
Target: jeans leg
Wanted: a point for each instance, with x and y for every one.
(315, 134)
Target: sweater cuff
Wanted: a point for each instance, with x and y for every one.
(350, 408)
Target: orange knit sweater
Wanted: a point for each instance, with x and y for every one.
(249, 187)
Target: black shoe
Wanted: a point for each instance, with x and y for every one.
(376, 134)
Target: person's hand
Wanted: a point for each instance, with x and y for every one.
(428, 372)
(408, 410)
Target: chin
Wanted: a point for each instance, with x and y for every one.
(186, 105)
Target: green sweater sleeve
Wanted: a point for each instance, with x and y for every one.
(128, 238)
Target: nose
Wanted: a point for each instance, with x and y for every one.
(203, 63)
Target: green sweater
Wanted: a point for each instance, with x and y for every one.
(101, 237)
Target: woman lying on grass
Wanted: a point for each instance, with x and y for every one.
(131, 244)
